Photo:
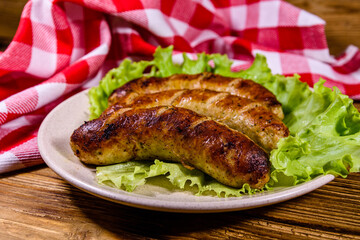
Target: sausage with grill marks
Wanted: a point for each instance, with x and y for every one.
(244, 115)
(173, 134)
(235, 86)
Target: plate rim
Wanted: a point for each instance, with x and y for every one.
(133, 200)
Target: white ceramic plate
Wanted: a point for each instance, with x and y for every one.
(53, 139)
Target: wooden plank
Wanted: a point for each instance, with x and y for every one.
(51, 207)
(10, 12)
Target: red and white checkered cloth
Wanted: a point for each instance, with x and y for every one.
(62, 47)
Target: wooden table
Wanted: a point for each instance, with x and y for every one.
(37, 204)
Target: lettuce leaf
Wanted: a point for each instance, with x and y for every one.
(98, 96)
(325, 138)
(133, 174)
(323, 123)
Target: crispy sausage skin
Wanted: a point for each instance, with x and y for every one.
(241, 114)
(174, 134)
(236, 86)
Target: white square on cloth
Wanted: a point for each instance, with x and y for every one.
(41, 12)
(42, 63)
(158, 24)
(268, 14)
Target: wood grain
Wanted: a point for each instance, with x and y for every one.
(41, 204)
(10, 12)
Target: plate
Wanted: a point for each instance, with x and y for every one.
(53, 140)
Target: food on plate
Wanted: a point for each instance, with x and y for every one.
(236, 86)
(247, 116)
(173, 134)
(323, 123)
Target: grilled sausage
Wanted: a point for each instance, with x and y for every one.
(236, 86)
(241, 114)
(174, 134)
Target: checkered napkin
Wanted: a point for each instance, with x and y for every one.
(62, 47)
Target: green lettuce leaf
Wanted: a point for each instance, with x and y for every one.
(323, 123)
(325, 138)
(133, 174)
(115, 78)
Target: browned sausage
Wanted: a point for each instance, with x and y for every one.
(241, 114)
(236, 86)
(174, 134)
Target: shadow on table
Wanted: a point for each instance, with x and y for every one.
(132, 222)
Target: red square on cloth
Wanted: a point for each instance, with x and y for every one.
(202, 17)
(290, 38)
(123, 6)
(24, 32)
